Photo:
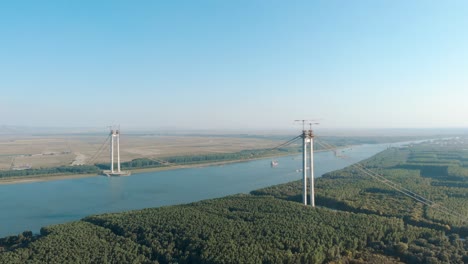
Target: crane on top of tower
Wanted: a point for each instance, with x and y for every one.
(310, 122)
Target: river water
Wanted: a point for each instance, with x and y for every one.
(30, 206)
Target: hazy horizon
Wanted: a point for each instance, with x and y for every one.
(237, 65)
(320, 131)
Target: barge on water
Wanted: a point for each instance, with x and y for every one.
(109, 173)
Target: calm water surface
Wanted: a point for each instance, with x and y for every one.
(29, 206)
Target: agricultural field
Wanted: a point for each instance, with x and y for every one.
(357, 220)
(24, 152)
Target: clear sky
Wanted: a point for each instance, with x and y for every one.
(234, 64)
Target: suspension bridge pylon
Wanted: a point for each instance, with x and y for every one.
(115, 139)
(308, 166)
(308, 162)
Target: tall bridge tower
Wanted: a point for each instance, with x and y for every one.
(115, 141)
(308, 162)
(115, 137)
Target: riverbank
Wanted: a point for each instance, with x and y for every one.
(43, 178)
(48, 177)
(58, 201)
(254, 217)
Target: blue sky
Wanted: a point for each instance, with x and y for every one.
(234, 64)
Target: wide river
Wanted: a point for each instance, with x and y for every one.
(30, 206)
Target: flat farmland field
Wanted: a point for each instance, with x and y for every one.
(55, 150)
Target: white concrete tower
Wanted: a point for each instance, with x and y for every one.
(308, 161)
(311, 156)
(115, 139)
(118, 150)
(304, 166)
(115, 147)
(112, 133)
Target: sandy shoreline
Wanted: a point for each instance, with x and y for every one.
(43, 178)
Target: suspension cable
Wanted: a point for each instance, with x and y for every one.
(285, 143)
(98, 152)
(436, 206)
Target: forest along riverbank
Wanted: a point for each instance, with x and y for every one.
(31, 206)
(53, 177)
(136, 166)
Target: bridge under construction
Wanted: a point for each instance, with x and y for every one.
(115, 170)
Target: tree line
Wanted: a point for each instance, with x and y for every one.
(238, 229)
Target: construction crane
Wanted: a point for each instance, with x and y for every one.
(310, 122)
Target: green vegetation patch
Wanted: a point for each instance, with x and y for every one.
(358, 220)
(76, 242)
(237, 229)
(62, 170)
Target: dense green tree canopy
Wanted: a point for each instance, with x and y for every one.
(358, 220)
